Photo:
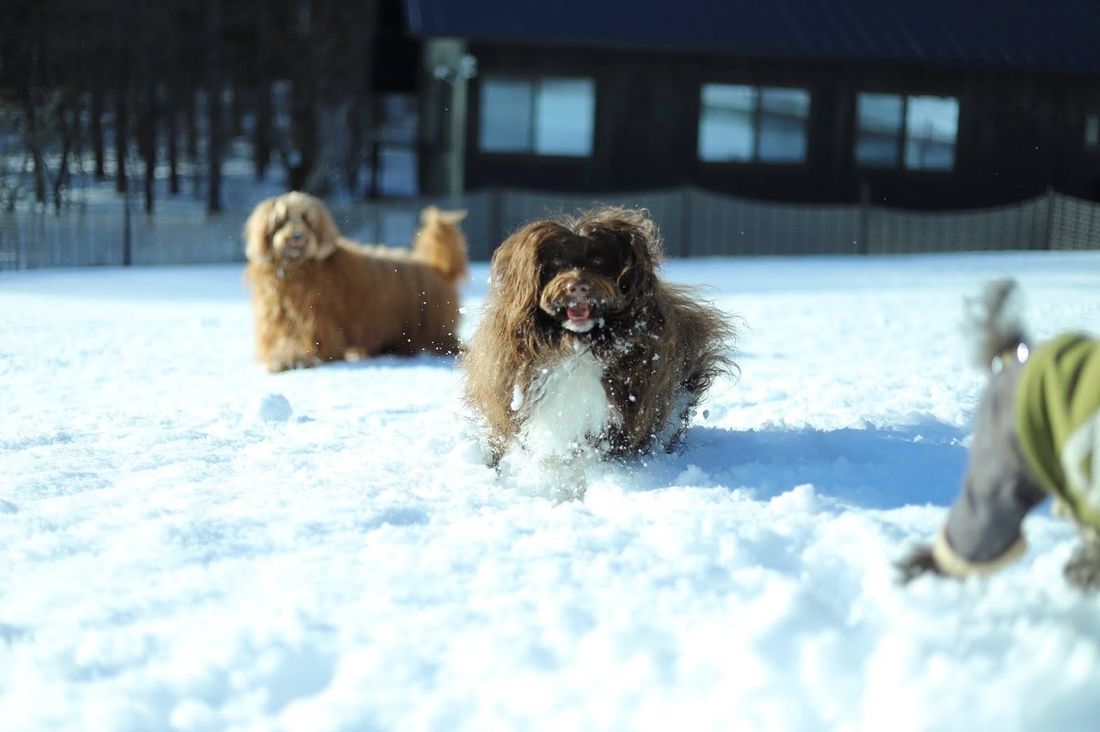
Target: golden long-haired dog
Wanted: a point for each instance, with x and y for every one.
(583, 346)
(318, 297)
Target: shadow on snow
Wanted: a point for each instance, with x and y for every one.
(870, 468)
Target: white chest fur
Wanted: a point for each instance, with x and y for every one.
(566, 407)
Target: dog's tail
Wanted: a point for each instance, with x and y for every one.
(440, 244)
(993, 323)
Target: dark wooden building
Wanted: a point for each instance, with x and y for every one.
(933, 104)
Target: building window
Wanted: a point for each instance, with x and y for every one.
(753, 124)
(1092, 131)
(880, 129)
(392, 170)
(931, 125)
(914, 132)
(548, 116)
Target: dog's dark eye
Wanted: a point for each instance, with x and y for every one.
(598, 261)
(557, 263)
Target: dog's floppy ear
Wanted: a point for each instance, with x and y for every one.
(259, 227)
(639, 240)
(514, 273)
(430, 215)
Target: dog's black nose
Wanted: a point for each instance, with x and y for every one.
(296, 234)
(578, 288)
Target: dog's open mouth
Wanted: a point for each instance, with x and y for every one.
(578, 317)
(578, 312)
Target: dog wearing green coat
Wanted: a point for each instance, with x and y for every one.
(1036, 436)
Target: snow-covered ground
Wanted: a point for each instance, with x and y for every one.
(190, 543)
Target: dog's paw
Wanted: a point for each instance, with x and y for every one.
(1083, 568)
(278, 365)
(918, 562)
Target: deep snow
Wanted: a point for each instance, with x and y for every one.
(189, 543)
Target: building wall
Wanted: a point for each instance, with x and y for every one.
(1018, 133)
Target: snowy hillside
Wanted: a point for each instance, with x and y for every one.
(189, 543)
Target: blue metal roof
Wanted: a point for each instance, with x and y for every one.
(1036, 35)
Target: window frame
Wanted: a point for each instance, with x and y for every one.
(756, 118)
(899, 164)
(535, 83)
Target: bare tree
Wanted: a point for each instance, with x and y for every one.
(121, 94)
(105, 76)
(95, 124)
(69, 128)
(214, 144)
(261, 130)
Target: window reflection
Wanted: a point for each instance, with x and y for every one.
(726, 129)
(563, 117)
(542, 116)
(783, 115)
(505, 115)
(741, 123)
(917, 132)
(931, 124)
(878, 120)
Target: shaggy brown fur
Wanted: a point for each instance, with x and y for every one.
(317, 296)
(660, 347)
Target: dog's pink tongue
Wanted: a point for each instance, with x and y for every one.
(579, 311)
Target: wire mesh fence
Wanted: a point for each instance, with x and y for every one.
(694, 223)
